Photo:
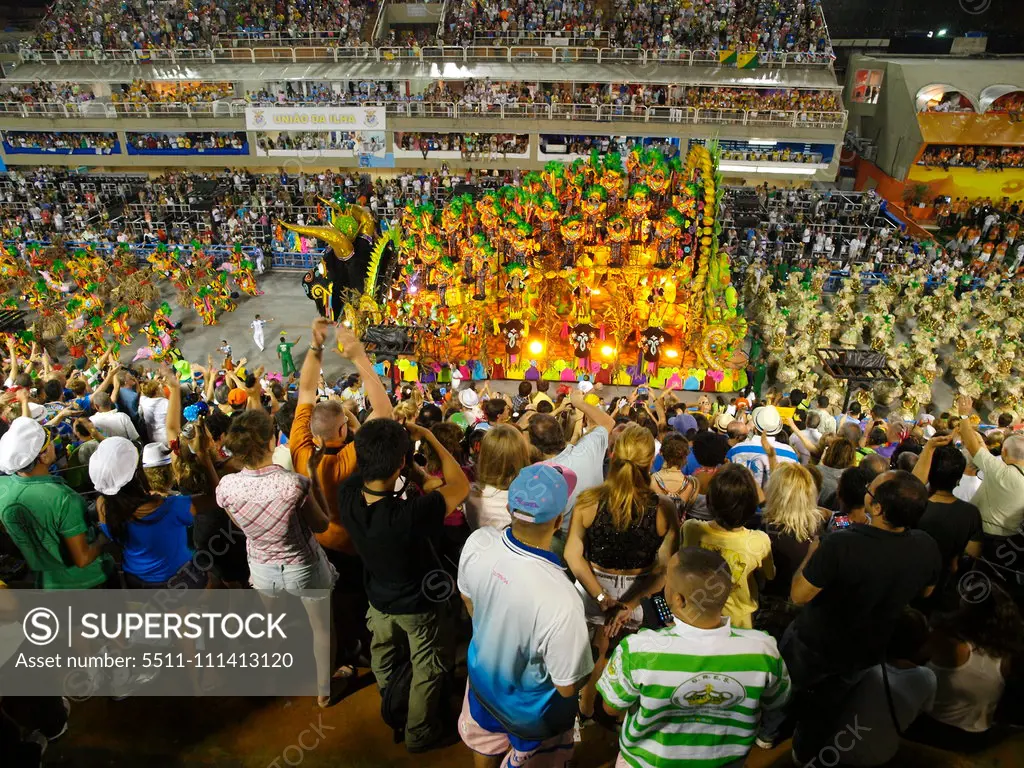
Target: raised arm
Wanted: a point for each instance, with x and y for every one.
(173, 402)
(350, 348)
(309, 377)
(456, 485)
(597, 417)
(924, 461)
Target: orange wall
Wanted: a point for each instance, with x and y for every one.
(887, 186)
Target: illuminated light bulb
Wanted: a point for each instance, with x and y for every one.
(596, 291)
(671, 353)
(607, 351)
(536, 347)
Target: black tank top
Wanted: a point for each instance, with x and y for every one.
(636, 547)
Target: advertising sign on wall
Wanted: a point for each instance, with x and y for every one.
(281, 118)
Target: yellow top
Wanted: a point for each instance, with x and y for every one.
(745, 551)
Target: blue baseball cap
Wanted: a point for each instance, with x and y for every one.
(683, 423)
(540, 492)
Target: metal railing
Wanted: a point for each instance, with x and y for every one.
(602, 113)
(326, 50)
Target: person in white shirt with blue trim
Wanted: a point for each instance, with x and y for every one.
(752, 454)
(530, 654)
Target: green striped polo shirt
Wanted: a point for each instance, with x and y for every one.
(693, 695)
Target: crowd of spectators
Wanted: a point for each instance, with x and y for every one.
(771, 155)
(307, 140)
(487, 145)
(981, 158)
(58, 141)
(803, 99)
(46, 92)
(142, 92)
(162, 24)
(193, 141)
(530, 20)
(787, 26)
(982, 232)
(640, 553)
(951, 101)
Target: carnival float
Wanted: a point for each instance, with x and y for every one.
(607, 269)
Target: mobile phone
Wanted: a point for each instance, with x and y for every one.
(840, 521)
(664, 612)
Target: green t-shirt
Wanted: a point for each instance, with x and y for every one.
(284, 349)
(38, 513)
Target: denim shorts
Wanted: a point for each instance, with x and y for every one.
(293, 578)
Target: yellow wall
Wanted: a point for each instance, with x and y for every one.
(967, 182)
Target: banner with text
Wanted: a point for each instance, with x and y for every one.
(314, 118)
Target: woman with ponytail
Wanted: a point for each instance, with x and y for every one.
(622, 534)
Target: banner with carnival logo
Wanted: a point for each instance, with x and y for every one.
(281, 118)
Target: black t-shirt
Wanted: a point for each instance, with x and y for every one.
(867, 576)
(952, 524)
(391, 536)
(787, 553)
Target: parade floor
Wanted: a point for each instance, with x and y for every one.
(254, 733)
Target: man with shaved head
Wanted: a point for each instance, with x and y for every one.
(692, 693)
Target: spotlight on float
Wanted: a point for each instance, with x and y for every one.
(671, 353)
(608, 351)
(596, 292)
(536, 347)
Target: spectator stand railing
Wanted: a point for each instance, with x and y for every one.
(868, 279)
(316, 49)
(280, 259)
(449, 110)
(542, 37)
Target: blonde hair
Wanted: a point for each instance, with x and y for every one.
(152, 388)
(405, 411)
(503, 453)
(626, 491)
(791, 501)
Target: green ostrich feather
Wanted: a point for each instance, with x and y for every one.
(370, 284)
(598, 190)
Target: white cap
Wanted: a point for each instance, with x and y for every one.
(469, 398)
(113, 465)
(21, 444)
(155, 455)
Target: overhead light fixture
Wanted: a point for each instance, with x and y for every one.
(536, 347)
(608, 351)
(942, 32)
(763, 142)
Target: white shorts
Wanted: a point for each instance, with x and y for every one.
(615, 586)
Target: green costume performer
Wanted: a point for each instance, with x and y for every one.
(284, 351)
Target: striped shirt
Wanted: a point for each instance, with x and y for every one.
(750, 454)
(693, 695)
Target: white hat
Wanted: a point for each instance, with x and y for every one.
(155, 455)
(768, 420)
(38, 412)
(21, 444)
(469, 398)
(113, 465)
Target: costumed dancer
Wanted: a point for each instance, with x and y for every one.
(257, 326)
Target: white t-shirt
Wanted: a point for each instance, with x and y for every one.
(586, 459)
(114, 424)
(154, 413)
(487, 506)
(868, 721)
(529, 633)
